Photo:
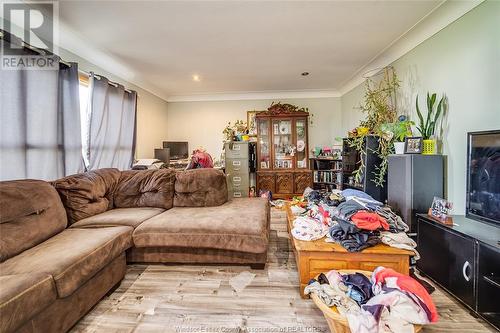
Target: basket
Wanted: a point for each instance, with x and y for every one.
(429, 147)
(336, 322)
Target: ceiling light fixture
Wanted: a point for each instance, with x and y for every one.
(196, 78)
(304, 73)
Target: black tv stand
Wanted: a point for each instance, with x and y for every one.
(464, 259)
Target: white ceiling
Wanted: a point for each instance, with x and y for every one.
(235, 46)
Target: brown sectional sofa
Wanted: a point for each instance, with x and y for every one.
(64, 245)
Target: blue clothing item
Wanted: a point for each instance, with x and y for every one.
(356, 193)
(361, 285)
(356, 295)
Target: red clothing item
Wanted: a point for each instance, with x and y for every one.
(200, 159)
(409, 284)
(369, 221)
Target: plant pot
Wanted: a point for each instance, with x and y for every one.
(429, 147)
(399, 148)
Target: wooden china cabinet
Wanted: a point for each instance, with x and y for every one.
(282, 152)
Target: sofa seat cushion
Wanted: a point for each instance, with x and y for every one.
(200, 188)
(72, 257)
(131, 217)
(147, 188)
(22, 296)
(240, 224)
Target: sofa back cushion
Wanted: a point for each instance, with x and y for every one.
(30, 213)
(148, 188)
(200, 188)
(87, 194)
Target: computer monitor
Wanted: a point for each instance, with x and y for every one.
(162, 154)
(178, 149)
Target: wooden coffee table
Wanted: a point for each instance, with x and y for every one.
(318, 256)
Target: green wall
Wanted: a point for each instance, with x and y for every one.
(463, 62)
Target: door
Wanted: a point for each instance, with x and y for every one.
(488, 280)
(448, 258)
(263, 144)
(301, 181)
(283, 145)
(301, 144)
(284, 183)
(265, 181)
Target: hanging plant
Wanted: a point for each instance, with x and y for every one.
(380, 108)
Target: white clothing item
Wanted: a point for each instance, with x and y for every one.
(333, 297)
(398, 313)
(297, 210)
(399, 240)
(308, 229)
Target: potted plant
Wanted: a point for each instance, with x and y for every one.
(427, 128)
(397, 132)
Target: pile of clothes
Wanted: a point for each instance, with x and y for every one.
(385, 302)
(350, 218)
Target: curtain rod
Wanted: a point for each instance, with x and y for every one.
(68, 64)
(98, 77)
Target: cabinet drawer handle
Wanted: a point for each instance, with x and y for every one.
(464, 271)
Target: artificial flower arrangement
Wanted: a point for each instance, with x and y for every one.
(235, 132)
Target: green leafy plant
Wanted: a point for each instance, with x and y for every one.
(398, 130)
(427, 128)
(380, 108)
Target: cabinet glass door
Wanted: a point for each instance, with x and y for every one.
(284, 148)
(264, 144)
(301, 143)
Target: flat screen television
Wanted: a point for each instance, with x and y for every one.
(178, 149)
(483, 176)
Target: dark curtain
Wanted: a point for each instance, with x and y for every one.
(111, 141)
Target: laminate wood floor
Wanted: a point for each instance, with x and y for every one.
(187, 298)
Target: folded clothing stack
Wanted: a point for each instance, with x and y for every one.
(385, 302)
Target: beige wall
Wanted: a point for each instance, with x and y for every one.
(461, 61)
(151, 109)
(201, 123)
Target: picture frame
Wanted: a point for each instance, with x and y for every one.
(251, 123)
(440, 210)
(413, 145)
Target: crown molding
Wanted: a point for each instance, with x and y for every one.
(252, 95)
(443, 15)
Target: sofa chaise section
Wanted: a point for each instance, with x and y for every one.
(235, 232)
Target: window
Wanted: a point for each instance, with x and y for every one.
(84, 115)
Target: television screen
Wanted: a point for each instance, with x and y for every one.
(178, 149)
(483, 188)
